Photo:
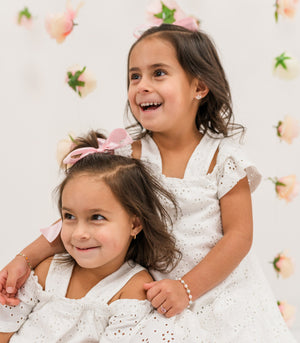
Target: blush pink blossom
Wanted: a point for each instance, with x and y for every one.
(288, 129)
(164, 8)
(283, 265)
(287, 187)
(60, 25)
(64, 147)
(286, 8)
(287, 311)
(81, 80)
(24, 18)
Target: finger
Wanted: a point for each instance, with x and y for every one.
(11, 281)
(158, 300)
(163, 309)
(3, 277)
(149, 285)
(12, 301)
(152, 293)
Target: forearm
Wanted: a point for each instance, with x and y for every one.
(5, 336)
(218, 263)
(40, 249)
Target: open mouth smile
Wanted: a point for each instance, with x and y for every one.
(149, 106)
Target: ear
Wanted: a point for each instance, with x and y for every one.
(136, 226)
(201, 90)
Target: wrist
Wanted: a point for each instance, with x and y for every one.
(26, 259)
(188, 291)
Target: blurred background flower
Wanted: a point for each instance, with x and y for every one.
(283, 265)
(288, 312)
(60, 25)
(286, 187)
(24, 18)
(285, 8)
(81, 80)
(286, 67)
(288, 129)
(64, 146)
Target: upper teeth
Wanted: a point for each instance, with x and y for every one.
(149, 103)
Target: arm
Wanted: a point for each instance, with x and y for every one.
(5, 337)
(13, 276)
(236, 212)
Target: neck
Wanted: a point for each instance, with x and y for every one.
(177, 140)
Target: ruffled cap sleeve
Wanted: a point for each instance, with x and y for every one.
(12, 317)
(232, 166)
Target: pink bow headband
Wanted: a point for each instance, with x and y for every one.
(118, 138)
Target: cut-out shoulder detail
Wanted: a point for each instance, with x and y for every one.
(136, 149)
(41, 271)
(213, 162)
(134, 288)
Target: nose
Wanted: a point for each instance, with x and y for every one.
(144, 86)
(81, 232)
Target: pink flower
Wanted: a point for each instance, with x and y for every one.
(285, 8)
(288, 129)
(168, 12)
(288, 312)
(81, 80)
(64, 146)
(283, 265)
(25, 18)
(286, 187)
(60, 25)
(286, 67)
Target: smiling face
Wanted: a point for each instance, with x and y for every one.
(96, 229)
(161, 95)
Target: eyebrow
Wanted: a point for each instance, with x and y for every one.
(93, 210)
(153, 66)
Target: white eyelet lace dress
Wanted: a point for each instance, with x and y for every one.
(242, 308)
(46, 316)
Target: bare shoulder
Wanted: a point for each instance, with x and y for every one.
(134, 288)
(136, 149)
(41, 270)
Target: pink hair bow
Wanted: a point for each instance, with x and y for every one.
(117, 139)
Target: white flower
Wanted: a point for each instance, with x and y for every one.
(286, 67)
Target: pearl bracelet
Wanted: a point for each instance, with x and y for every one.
(188, 291)
(26, 259)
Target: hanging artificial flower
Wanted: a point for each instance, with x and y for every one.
(286, 187)
(287, 311)
(60, 25)
(283, 265)
(24, 18)
(286, 67)
(285, 8)
(288, 129)
(64, 146)
(81, 80)
(167, 12)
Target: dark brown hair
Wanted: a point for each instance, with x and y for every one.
(140, 194)
(198, 57)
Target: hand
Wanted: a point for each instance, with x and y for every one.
(169, 297)
(12, 277)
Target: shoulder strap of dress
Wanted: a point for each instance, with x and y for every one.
(150, 151)
(203, 155)
(59, 276)
(109, 286)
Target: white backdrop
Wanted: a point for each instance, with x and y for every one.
(38, 109)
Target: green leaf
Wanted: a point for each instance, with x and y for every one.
(24, 13)
(280, 184)
(167, 14)
(73, 80)
(280, 60)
